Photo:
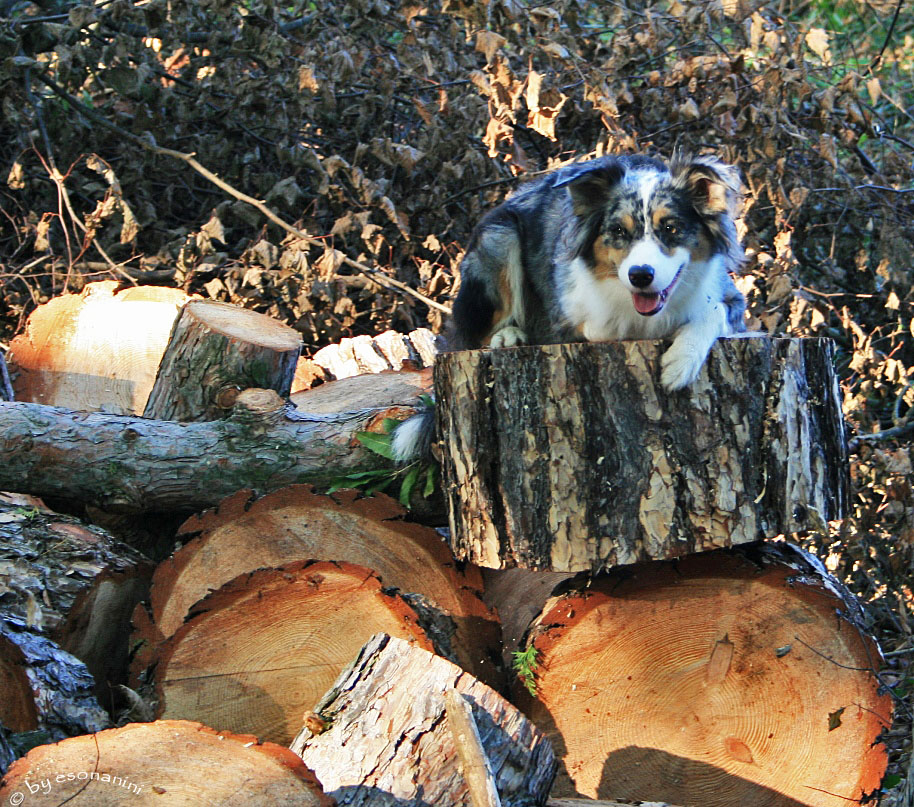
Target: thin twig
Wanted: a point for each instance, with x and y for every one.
(896, 432)
(888, 38)
(373, 273)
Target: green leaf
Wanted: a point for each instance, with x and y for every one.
(427, 399)
(379, 443)
(890, 781)
(409, 482)
(390, 424)
(431, 477)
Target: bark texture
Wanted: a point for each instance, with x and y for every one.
(43, 688)
(72, 583)
(258, 652)
(412, 761)
(572, 457)
(741, 676)
(215, 351)
(127, 464)
(169, 762)
(245, 533)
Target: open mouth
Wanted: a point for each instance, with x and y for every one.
(649, 303)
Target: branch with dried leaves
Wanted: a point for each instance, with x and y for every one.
(370, 272)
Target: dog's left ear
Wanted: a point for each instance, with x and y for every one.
(713, 186)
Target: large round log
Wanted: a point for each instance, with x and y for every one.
(169, 762)
(573, 457)
(98, 349)
(256, 654)
(245, 533)
(381, 738)
(741, 676)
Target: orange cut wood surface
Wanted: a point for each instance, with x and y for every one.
(259, 652)
(99, 349)
(169, 762)
(709, 681)
(295, 524)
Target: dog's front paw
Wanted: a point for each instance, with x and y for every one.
(508, 337)
(681, 365)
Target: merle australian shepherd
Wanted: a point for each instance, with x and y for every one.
(613, 248)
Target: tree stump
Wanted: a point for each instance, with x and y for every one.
(216, 350)
(43, 688)
(386, 742)
(169, 762)
(572, 457)
(73, 583)
(741, 676)
(98, 349)
(294, 524)
(257, 653)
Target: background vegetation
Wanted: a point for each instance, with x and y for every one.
(383, 130)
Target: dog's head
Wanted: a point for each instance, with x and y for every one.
(644, 223)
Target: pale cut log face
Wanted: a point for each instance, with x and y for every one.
(708, 686)
(262, 650)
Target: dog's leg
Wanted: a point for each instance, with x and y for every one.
(683, 361)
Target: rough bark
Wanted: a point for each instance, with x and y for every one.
(95, 350)
(71, 582)
(43, 688)
(572, 457)
(741, 676)
(412, 762)
(169, 762)
(130, 464)
(215, 351)
(258, 652)
(245, 533)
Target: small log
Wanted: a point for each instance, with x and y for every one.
(257, 653)
(169, 762)
(215, 351)
(386, 741)
(98, 349)
(741, 676)
(7, 752)
(43, 688)
(71, 582)
(126, 464)
(245, 533)
(572, 457)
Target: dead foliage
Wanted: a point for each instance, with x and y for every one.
(385, 130)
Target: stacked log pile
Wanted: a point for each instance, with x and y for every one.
(692, 676)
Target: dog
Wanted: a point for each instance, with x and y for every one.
(607, 249)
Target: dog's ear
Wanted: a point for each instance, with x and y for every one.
(712, 185)
(590, 183)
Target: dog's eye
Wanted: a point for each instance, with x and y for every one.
(618, 232)
(670, 229)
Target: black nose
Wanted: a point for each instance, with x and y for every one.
(641, 276)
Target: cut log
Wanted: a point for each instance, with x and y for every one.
(95, 350)
(741, 676)
(387, 743)
(474, 763)
(245, 533)
(517, 595)
(260, 651)
(169, 762)
(73, 583)
(43, 688)
(572, 457)
(216, 350)
(364, 354)
(129, 464)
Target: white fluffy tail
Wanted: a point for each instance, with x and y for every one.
(413, 437)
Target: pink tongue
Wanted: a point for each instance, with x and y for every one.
(645, 303)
